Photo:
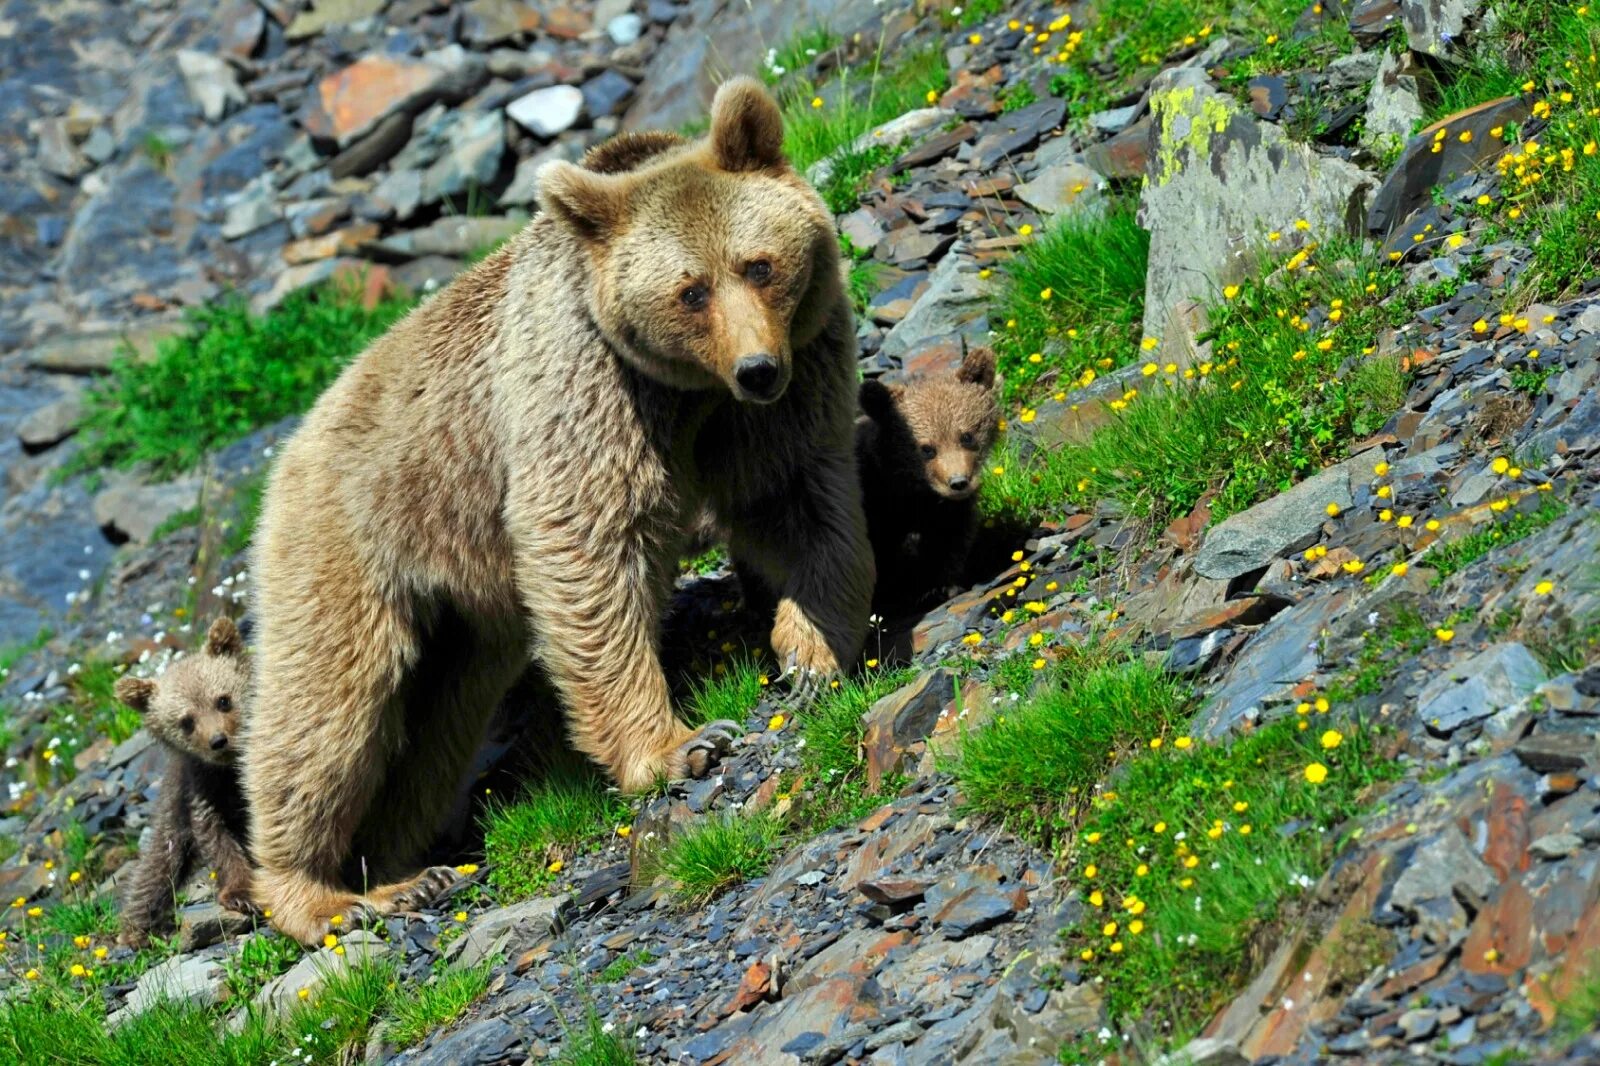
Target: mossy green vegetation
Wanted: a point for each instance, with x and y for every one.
(436, 1003)
(705, 857)
(567, 808)
(821, 120)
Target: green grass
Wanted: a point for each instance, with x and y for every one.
(231, 372)
(1290, 383)
(82, 917)
(241, 529)
(434, 1005)
(623, 965)
(1201, 848)
(184, 519)
(732, 694)
(708, 856)
(1093, 268)
(12, 654)
(831, 727)
(1072, 734)
(1383, 651)
(591, 1044)
(568, 810)
(813, 133)
(797, 54)
(261, 957)
(852, 170)
(709, 561)
(1457, 555)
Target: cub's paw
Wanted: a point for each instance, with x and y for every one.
(133, 938)
(706, 747)
(237, 898)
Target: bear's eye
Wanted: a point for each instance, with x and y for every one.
(759, 272)
(968, 441)
(224, 703)
(929, 451)
(694, 297)
(187, 725)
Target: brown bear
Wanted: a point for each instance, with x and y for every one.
(921, 447)
(511, 472)
(195, 711)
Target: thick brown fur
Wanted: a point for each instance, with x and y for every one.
(195, 710)
(921, 447)
(512, 469)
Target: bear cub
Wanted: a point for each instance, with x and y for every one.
(194, 710)
(921, 447)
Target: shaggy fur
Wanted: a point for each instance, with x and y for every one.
(512, 469)
(195, 711)
(921, 447)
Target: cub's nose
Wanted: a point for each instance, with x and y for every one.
(959, 483)
(219, 741)
(757, 375)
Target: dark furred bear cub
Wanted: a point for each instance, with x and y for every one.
(194, 710)
(921, 448)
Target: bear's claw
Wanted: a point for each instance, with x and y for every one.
(704, 749)
(425, 888)
(805, 685)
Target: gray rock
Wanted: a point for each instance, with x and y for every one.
(282, 994)
(52, 423)
(1439, 27)
(488, 22)
(471, 158)
(1418, 1024)
(1205, 1051)
(1115, 120)
(136, 511)
(606, 94)
(625, 28)
(373, 150)
(1440, 867)
(1490, 681)
(1209, 160)
(520, 924)
(56, 153)
(1555, 846)
(1279, 656)
(524, 187)
(548, 112)
(1394, 103)
(1358, 68)
(330, 13)
(212, 83)
(255, 208)
(1251, 539)
(400, 192)
(1064, 187)
(180, 979)
(456, 236)
(955, 298)
(1546, 753)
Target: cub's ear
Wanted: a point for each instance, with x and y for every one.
(977, 368)
(878, 400)
(594, 206)
(136, 692)
(223, 638)
(746, 126)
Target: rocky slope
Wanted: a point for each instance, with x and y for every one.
(161, 153)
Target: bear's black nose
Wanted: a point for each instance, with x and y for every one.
(219, 742)
(959, 483)
(757, 375)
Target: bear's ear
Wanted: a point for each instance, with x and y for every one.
(746, 127)
(136, 692)
(878, 400)
(591, 205)
(223, 638)
(977, 368)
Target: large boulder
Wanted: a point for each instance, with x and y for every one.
(1217, 181)
(352, 102)
(1410, 183)
(1439, 28)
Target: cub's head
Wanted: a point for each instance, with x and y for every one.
(196, 705)
(711, 262)
(938, 429)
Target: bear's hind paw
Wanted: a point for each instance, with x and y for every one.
(707, 747)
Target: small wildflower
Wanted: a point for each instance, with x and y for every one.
(775, 723)
(1500, 465)
(555, 867)
(1182, 743)
(1025, 230)
(816, 101)
(1399, 569)
(1230, 291)
(1332, 739)
(35, 912)
(1155, 742)
(1544, 588)
(330, 940)
(304, 993)
(624, 830)
(1333, 510)
(467, 869)
(1316, 773)
(1445, 635)
(1381, 469)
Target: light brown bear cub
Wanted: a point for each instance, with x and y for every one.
(921, 448)
(194, 710)
(511, 471)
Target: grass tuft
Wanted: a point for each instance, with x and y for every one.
(569, 810)
(715, 854)
(435, 1004)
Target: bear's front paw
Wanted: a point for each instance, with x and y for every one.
(804, 684)
(707, 747)
(423, 889)
(236, 897)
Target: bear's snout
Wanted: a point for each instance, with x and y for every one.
(759, 377)
(219, 741)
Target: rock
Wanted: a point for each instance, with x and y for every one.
(1251, 539)
(330, 13)
(474, 147)
(625, 29)
(970, 902)
(606, 94)
(128, 510)
(524, 187)
(1394, 103)
(350, 103)
(203, 925)
(1355, 70)
(1116, 119)
(212, 84)
(955, 298)
(51, 424)
(1125, 156)
(1064, 187)
(93, 353)
(1208, 160)
(895, 727)
(1016, 131)
(498, 931)
(1371, 20)
(282, 994)
(1205, 1051)
(548, 112)
(456, 236)
(181, 979)
(1468, 692)
(254, 208)
(1440, 867)
(1418, 1024)
(488, 22)
(375, 149)
(1439, 27)
(1419, 169)
(1547, 753)
(57, 154)
(1555, 846)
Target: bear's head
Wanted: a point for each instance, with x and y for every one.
(938, 429)
(711, 262)
(196, 706)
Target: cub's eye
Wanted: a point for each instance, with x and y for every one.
(929, 451)
(187, 725)
(695, 297)
(224, 703)
(759, 272)
(968, 441)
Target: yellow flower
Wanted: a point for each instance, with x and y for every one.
(329, 940)
(554, 868)
(1491, 956)
(1090, 871)
(1381, 469)
(1332, 739)
(1191, 862)
(624, 830)
(1097, 898)
(1385, 515)
(1404, 521)
(1046, 293)
(100, 953)
(1399, 569)
(1025, 229)
(1384, 492)
(1274, 236)
(1354, 566)
(1333, 510)
(1149, 344)
(1087, 954)
(816, 101)
(1182, 742)
(1034, 607)
(1544, 588)
(976, 38)
(77, 970)
(1431, 525)
(1272, 38)
(1135, 905)
(1480, 326)
(1160, 827)
(972, 640)
(1109, 929)
(1302, 225)
(1316, 773)
(467, 869)
(775, 723)
(1230, 291)
(1135, 927)
(1039, 664)
(1093, 838)
(1141, 870)
(35, 912)
(1445, 635)
(1322, 705)
(304, 993)
(32, 974)
(1149, 368)
(1500, 465)
(336, 921)
(1244, 830)
(933, 96)
(75, 876)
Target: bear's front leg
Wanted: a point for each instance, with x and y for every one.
(593, 599)
(810, 543)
